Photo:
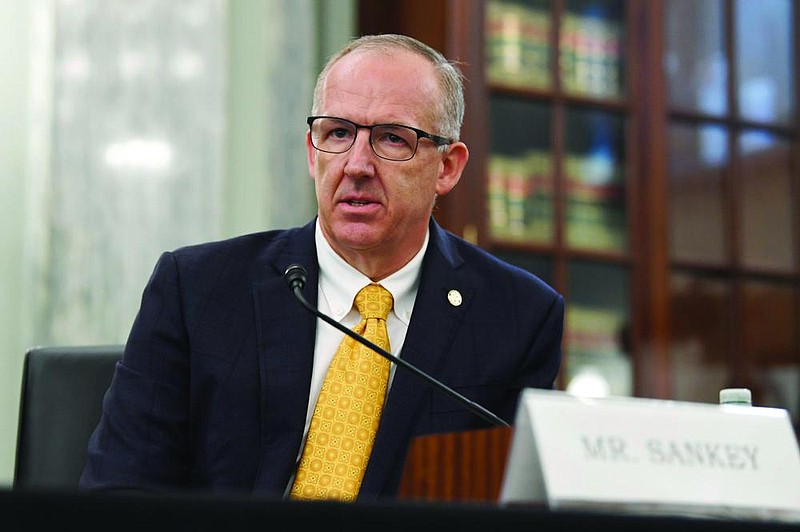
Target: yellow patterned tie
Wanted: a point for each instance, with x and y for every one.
(349, 408)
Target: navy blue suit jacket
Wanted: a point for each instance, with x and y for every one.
(213, 387)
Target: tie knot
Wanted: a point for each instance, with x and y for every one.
(374, 301)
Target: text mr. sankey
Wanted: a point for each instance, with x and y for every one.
(715, 455)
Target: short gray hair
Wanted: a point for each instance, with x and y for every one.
(449, 111)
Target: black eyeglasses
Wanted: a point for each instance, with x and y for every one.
(394, 142)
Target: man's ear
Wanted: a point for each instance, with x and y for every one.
(311, 156)
(453, 163)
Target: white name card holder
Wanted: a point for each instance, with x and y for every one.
(653, 456)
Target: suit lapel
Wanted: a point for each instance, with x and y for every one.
(286, 333)
(434, 324)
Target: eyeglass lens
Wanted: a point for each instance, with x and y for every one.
(394, 142)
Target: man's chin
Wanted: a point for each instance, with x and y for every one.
(358, 237)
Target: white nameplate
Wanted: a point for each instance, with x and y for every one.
(654, 456)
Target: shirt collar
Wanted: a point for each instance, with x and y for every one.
(339, 282)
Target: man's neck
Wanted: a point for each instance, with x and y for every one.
(377, 264)
(376, 267)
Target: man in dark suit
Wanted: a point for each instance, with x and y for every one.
(223, 367)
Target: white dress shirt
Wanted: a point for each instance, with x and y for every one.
(338, 285)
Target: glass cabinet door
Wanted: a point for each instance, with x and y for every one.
(733, 203)
(765, 84)
(695, 65)
(520, 171)
(517, 43)
(770, 340)
(701, 330)
(597, 334)
(595, 185)
(698, 220)
(556, 189)
(766, 208)
(590, 48)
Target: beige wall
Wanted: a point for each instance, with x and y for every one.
(14, 131)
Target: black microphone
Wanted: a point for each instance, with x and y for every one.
(295, 276)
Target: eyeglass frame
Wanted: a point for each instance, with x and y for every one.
(438, 140)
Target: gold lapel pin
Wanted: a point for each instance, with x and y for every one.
(454, 297)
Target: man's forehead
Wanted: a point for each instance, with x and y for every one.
(394, 82)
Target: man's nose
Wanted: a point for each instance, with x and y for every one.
(362, 145)
(360, 157)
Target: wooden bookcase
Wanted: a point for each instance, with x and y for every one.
(596, 161)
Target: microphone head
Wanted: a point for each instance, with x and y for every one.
(295, 276)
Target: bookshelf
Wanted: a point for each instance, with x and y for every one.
(590, 125)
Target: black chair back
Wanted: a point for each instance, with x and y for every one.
(62, 395)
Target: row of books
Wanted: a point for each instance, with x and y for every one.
(520, 201)
(517, 45)
(518, 51)
(590, 55)
(520, 196)
(595, 208)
